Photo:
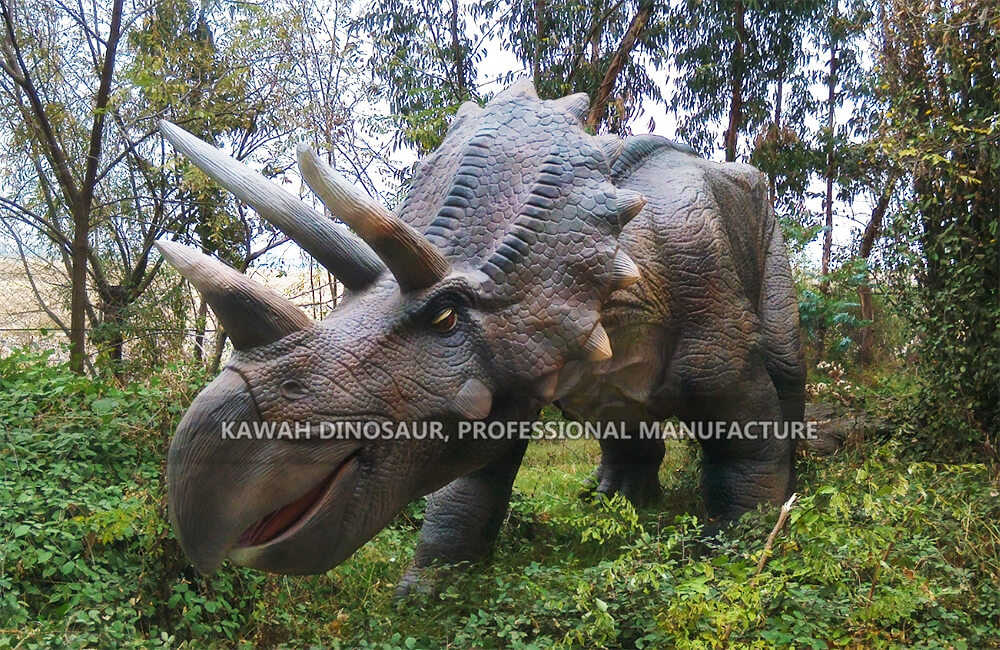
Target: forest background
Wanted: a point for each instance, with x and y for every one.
(876, 122)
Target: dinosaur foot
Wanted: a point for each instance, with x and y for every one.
(637, 483)
(422, 582)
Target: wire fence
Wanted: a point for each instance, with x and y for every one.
(34, 311)
(23, 321)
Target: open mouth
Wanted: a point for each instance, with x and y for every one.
(292, 515)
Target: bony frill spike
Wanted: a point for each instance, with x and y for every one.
(576, 105)
(611, 146)
(629, 204)
(597, 347)
(624, 271)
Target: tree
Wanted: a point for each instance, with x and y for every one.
(428, 60)
(728, 54)
(939, 78)
(90, 179)
(335, 106)
(224, 90)
(842, 33)
(608, 49)
(71, 153)
(872, 231)
(424, 60)
(784, 147)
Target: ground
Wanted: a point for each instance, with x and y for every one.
(881, 550)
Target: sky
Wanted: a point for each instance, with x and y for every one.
(499, 61)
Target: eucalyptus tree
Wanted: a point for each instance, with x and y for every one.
(424, 58)
(739, 65)
(848, 160)
(846, 35)
(429, 55)
(609, 49)
(90, 180)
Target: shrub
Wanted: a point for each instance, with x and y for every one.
(879, 551)
(87, 556)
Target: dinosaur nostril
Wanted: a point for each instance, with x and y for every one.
(292, 389)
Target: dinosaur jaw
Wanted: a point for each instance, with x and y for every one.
(287, 520)
(308, 535)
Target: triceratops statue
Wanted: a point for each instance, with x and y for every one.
(530, 262)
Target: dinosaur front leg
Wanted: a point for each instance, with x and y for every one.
(629, 467)
(463, 519)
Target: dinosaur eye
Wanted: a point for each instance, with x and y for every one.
(445, 320)
(292, 390)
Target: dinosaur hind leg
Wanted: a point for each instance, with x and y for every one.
(629, 467)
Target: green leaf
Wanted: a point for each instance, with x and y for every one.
(104, 405)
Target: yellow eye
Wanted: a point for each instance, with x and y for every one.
(445, 320)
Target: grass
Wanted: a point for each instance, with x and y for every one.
(882, 550)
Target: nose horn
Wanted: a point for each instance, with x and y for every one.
(251, 314)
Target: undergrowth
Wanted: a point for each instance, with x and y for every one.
(881, 550)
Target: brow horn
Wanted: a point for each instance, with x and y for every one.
(414, 261)
(251, 314)
(331, 244)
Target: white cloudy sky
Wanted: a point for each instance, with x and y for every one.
(499, 61)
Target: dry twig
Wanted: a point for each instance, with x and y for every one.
(782, 516)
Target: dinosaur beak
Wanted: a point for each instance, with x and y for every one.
(226, 493)
(197, 477)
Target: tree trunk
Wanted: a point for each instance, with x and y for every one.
(456, 53)
(111, 342)
(772, 192)
(736, 71)
(618, 61)
(872, 232)
(78, 290)
(220, 346)
(831, 86)
(539, 32)
(831, 97)
(201, 322)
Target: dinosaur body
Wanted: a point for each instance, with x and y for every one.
(701, 243)
(530, 262)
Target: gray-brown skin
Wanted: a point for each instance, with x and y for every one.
(534, 216)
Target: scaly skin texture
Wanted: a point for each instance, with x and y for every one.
(535, 218)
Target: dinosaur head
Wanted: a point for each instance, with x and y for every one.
(464, 304)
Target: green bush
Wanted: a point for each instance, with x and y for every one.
(955, 344)
(87, 558)
(879, 552)
(945, 130)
